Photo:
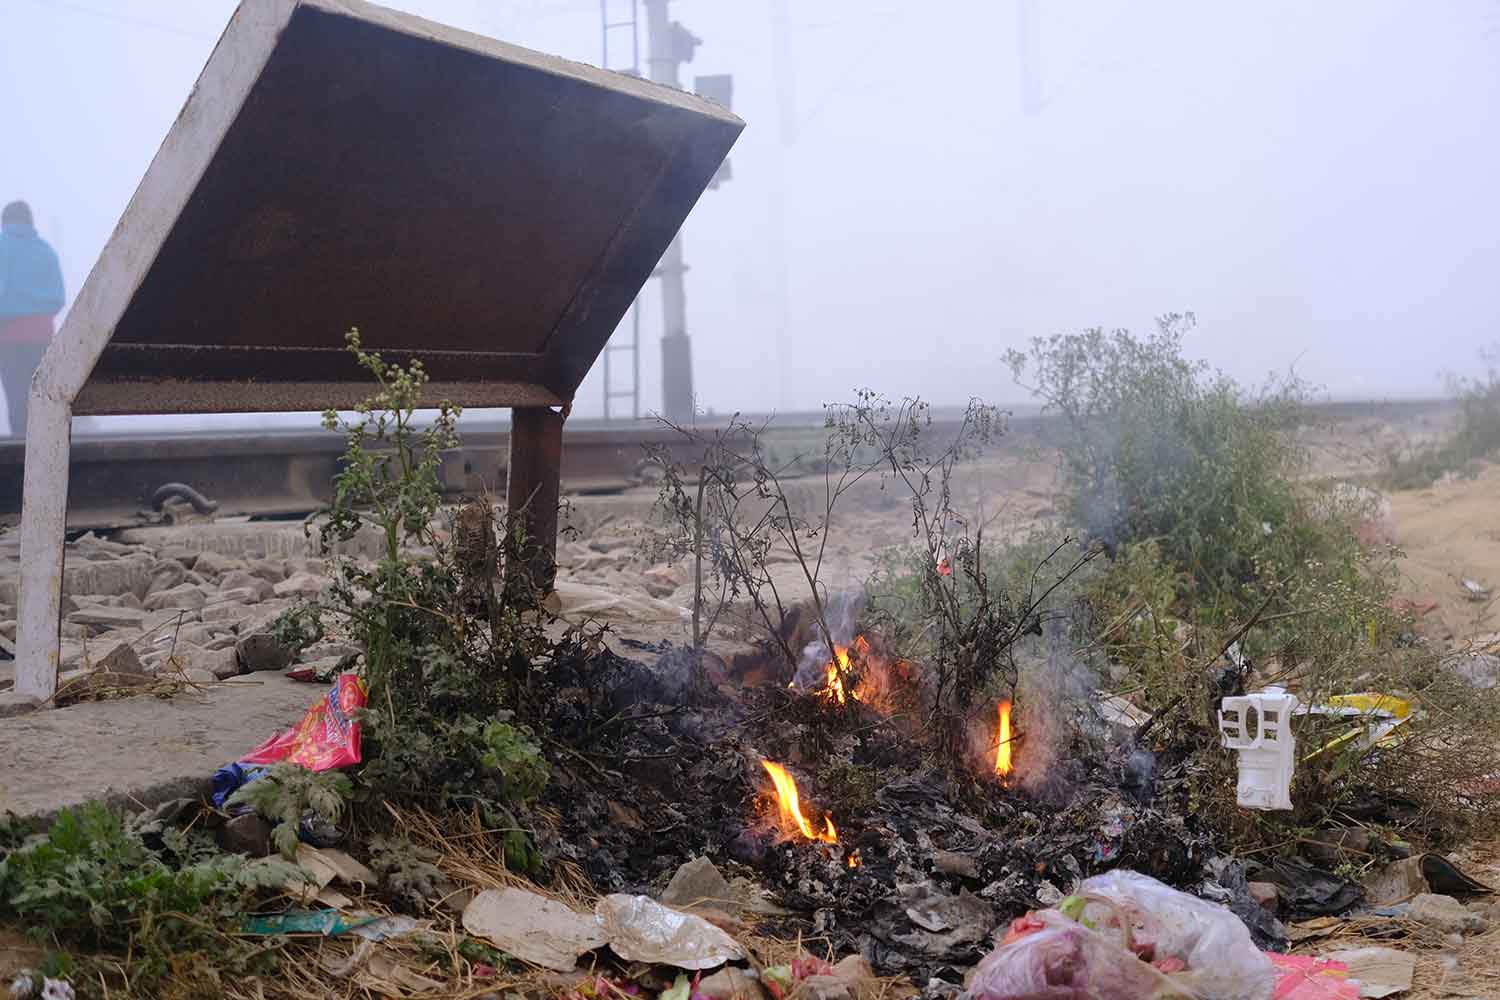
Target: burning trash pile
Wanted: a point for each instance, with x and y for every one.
(822, 788)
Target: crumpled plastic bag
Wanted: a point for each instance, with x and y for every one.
(1205, 945)
(1047, 956)
(1126, 936)
(328, 735)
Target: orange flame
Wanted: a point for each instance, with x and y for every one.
(854, 860)
(1002, 752)
(791, 806)
(838, 668)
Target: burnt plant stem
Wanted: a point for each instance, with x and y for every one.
(698, 563)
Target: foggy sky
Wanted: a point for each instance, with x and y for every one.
(1316, 181)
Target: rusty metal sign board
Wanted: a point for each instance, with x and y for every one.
(490, 210)
(485, 209)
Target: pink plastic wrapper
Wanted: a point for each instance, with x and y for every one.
(1306, 978)
(326, 738)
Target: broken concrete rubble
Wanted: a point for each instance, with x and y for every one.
(1445, 914)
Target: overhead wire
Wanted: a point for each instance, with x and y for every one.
(130, 19)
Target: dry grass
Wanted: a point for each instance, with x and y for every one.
(347, 967)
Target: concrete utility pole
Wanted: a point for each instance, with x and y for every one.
(1029, 37)
(671, 45)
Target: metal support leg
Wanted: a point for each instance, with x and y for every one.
(533, 488)
(44, 509)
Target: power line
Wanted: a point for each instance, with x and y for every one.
(130, 19)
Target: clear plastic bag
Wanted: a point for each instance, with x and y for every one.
(1048, 956)
(1205, 947)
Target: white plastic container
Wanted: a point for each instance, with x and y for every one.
(1259, 728)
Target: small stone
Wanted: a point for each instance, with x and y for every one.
(825, 988)
(695, 883)
(1446, 914)
(1265, 894)
(301, 585)
(730, 983)
(190, 634)
(273, 571)
(184, 596)
(246, 834)
(121, 658)
(226, 612)
(99, 617)
(166, 574)
(242, 580)
(241, 595)
(222, 664)
(660, 581)
(179, 554)
(215, 565)
(263, 651)
(951, 863)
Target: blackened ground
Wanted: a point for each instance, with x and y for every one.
(661, 768)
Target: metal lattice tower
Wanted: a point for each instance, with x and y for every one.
(619, 28)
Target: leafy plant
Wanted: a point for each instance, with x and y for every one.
(92, 882)
(407, 870)
(286, 791)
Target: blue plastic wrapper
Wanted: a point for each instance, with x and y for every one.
(228, 779)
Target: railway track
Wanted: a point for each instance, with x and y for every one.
(115, 478)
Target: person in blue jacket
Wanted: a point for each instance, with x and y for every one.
(31, 294)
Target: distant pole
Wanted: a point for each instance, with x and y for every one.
(670, 45)
(784, 69)
(1029, 37)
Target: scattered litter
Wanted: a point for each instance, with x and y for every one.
(386, 927)
(1124, 935)
(1306, 890)
(326, 738)
(30, 986)
(1214, 947)
(1403, 880)
(1476, 591)
(532, 927)
(1380, 972)
(1381, 713)
(329, 923)
(639, 929)
(1047, 955)
(1304, 977)
(375, 971)
(1258, 727)
(228, 779)
(1119, 711)
(326, 865)
(1317, 927)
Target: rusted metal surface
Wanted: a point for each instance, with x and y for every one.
(487, 210)
(277, 473)
(492, 209)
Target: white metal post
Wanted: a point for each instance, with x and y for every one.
(44, 509)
